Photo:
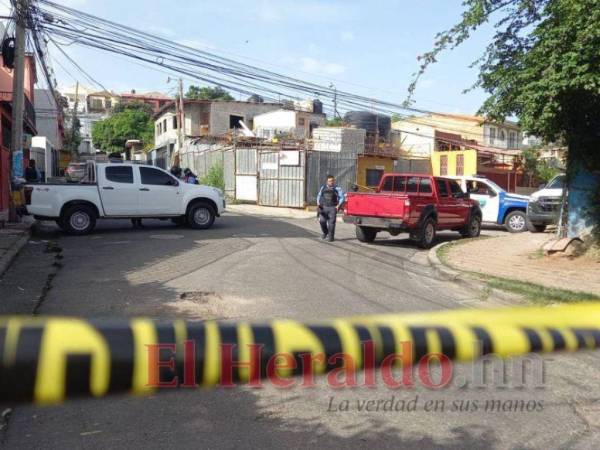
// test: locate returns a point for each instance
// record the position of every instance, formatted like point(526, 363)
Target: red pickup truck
point(414, 203)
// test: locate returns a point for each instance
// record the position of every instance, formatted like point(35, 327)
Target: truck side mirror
point(354, 188)
point(542, 186)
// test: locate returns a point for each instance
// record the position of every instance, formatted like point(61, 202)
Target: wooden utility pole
point(18, 94)
point(181, 114)
point(74, 153)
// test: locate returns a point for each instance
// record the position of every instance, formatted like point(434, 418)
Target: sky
point(359, 47)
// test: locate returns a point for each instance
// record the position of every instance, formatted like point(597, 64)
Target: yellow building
point(455, 162)
point(369, 170)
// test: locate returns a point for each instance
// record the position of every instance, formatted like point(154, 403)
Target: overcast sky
point(359, 47)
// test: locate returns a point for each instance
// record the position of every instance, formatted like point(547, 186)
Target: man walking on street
point(329, 200)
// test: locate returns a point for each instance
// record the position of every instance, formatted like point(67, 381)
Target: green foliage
point(133, 106)
point(396, 117)
point(132, 122)
point(215, 177)
point(207, 93)
point(335, 122)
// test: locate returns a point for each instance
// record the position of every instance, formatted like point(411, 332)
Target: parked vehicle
point(544, 205)
point(75, 172)
point(120, 190)
point(414, 203)
point(497, 206)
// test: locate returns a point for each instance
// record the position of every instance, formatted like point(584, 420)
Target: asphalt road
point(256, 268)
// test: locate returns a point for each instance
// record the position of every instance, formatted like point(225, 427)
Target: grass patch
point(536, 293)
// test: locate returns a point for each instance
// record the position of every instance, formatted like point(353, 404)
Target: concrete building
point(92, 106)
point(202, 118)
point(295, 124)
point(49, 118)
point(29, 126)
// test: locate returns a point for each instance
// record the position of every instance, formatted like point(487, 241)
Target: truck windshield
point(557, 183)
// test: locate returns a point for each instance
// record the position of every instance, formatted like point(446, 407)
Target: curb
point(462, 278)
point(12, 252)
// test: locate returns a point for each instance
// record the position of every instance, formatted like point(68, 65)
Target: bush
point(215, 177)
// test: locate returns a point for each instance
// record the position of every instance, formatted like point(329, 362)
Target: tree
point(131, 122)
point(542, 66)
point(135, 106)
point(208, 93)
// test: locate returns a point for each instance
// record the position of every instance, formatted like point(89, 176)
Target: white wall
point(416, 139)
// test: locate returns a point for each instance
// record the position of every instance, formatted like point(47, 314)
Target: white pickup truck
point(122, 190)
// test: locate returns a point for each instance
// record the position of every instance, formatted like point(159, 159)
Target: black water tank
point(369, 121)
point(317, 106)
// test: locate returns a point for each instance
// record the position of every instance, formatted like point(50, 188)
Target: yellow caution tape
point(47, 360)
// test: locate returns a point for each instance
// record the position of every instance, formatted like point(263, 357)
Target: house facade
point(295, 124)
point(464, 145)
point(29, 126)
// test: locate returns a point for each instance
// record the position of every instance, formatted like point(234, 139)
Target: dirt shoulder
point(518, 257)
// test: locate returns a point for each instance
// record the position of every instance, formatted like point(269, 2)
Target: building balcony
point(28, 111)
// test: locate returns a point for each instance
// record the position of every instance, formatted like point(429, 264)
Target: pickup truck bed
point(414, 203)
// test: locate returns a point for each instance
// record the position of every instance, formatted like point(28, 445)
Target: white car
point(497, 206)
point(122, 190)
point(544, 205)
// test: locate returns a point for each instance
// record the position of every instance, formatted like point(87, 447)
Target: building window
point(492, 135)
point(108, 103)
point(512, 139)
point(301, 122)
point(501, 135)
point(164, 125)
point(374, 177)
point(443, 165)
point(97, 103)
point(174, 122)
point(460, 164)
point(234, 121)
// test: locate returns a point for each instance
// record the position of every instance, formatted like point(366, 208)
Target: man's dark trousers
point(327, 220)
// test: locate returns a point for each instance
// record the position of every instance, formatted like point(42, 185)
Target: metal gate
point(245, 174)
point(281, 178)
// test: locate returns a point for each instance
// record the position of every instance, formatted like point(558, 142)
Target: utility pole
point(335, 111)
point(74, 154)
point(18, 94)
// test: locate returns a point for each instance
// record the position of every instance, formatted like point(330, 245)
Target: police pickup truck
point(497, 206)
point(123, 190)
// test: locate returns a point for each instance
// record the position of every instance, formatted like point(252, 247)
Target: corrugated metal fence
point(320, 164)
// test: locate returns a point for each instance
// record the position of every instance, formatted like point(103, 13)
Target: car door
point(445, 204)
point(460, 204)
point(160, 193)
point(487, 197)
point(118, 192)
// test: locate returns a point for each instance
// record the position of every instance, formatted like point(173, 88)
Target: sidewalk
point(518, 257)
point(12, 238)
point(270, 211)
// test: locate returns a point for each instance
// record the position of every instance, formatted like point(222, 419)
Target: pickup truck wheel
point(201, 216)
point(472, 228)
point(516, 222)
point(79, 220)
point(365, 234)
point(427, 234)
